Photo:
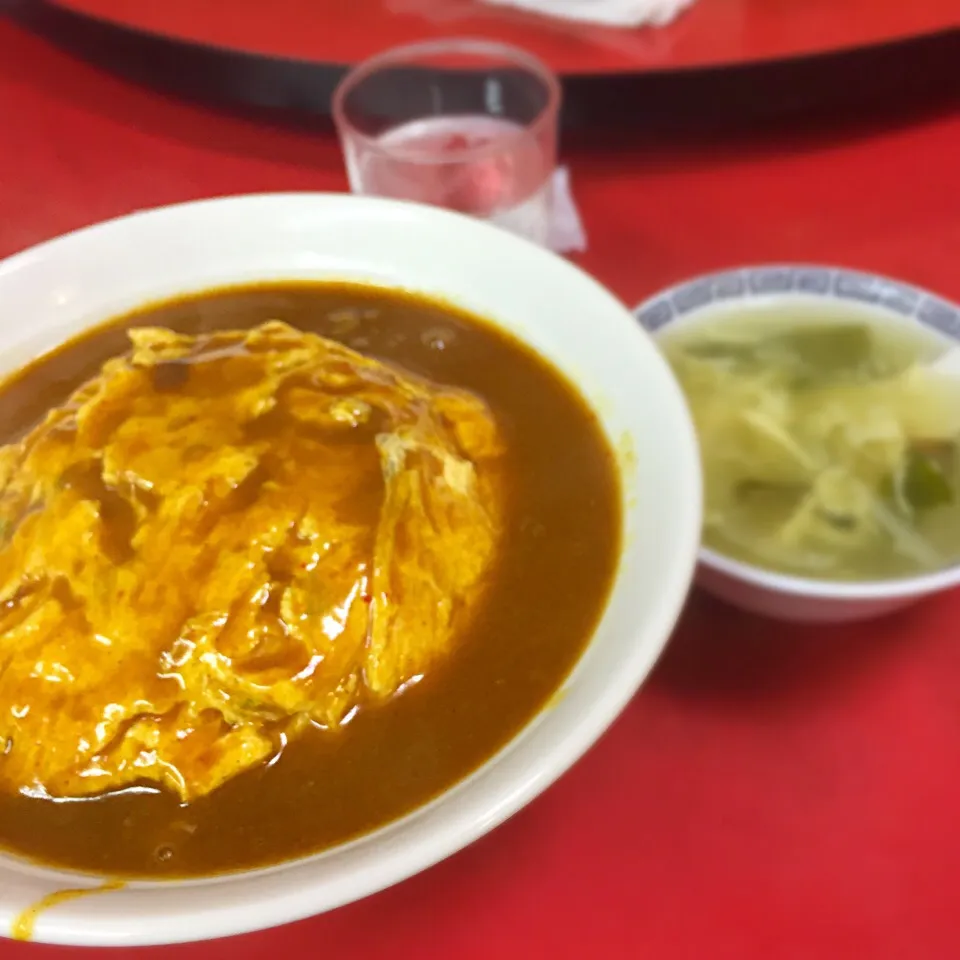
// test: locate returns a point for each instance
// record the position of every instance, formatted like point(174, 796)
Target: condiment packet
point(609, 13)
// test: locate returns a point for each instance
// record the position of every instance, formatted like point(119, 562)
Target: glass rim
point(408, 52)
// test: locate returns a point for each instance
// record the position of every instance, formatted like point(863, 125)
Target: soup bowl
point(820, 293)
point(56, 290)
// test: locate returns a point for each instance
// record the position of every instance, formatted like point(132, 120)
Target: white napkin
point(609, 13)
point(566, 234)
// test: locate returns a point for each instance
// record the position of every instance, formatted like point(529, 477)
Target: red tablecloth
point(712, 32)
point(773, 792)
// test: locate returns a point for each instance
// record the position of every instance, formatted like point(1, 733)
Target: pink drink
point(470, 125)
point(479, 165)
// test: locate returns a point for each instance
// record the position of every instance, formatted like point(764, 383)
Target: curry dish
point(278, 564)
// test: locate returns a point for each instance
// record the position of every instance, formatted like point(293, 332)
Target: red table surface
point(713, 32)
point(774, 792)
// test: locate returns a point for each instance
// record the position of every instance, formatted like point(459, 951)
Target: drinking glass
point(470, 125)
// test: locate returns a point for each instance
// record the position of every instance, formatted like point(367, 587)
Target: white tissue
point(610, 13)
point(566, 234)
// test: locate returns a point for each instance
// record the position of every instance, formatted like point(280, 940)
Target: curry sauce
point(463, 485)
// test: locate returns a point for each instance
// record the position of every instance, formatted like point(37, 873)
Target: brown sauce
point(547, 590)
point(23, 925)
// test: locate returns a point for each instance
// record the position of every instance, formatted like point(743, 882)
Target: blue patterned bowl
point(865, 295)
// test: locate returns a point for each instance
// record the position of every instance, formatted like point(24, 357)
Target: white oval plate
point(59, 288)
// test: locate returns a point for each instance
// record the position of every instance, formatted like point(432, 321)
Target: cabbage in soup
point(830, 450)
